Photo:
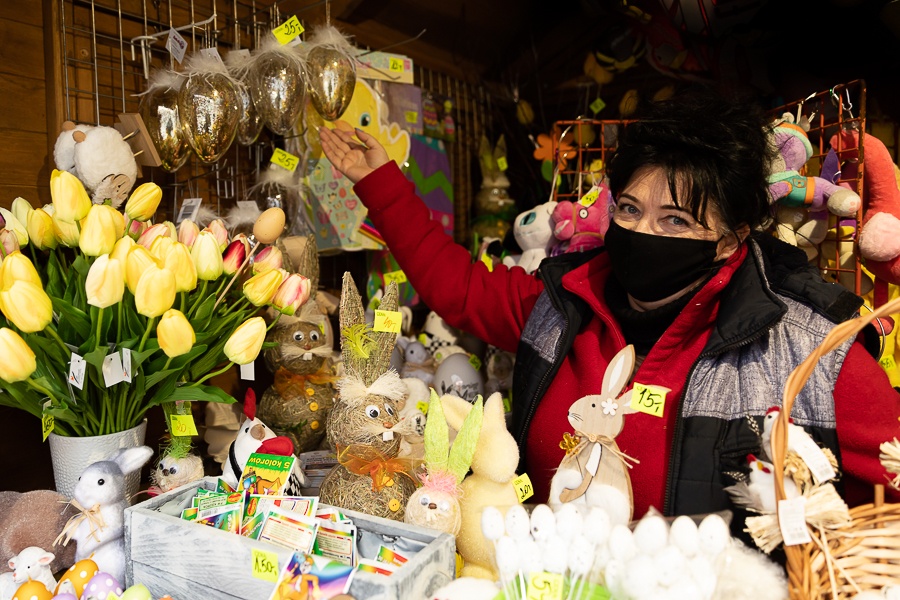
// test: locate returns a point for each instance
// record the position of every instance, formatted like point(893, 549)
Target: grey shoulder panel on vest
point(544, 327)
point(749, 379)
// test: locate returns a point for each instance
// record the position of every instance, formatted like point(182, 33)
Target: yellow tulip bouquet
point(112, 315)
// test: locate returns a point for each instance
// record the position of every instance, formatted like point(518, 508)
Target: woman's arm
point(866, 409)
point(491, 305)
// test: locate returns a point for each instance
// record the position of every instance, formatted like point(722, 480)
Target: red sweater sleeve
point(491, 305)
point(866, 410)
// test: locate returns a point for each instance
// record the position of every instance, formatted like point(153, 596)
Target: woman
point(717, 314)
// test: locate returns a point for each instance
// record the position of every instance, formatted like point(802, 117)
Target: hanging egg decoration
point(159, 110)
point(209, 107)
point(277, 85)
point(331, 64)
point(250, 124)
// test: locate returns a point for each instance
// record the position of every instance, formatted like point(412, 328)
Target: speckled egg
point(100, 587)
point(79, 574)
point(32, 590)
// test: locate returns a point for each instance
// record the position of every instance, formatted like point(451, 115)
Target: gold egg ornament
point(209, 107)
point(250, 124)
point(331, 67)
point(159, 110)
point(277, 81)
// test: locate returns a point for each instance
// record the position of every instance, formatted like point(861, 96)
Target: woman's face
point(646, 206)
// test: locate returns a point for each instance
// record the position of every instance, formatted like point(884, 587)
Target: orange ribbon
point(366, 460)
point(289, 384)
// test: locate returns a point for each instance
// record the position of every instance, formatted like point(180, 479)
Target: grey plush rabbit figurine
point(99, 529)
point(595, 472)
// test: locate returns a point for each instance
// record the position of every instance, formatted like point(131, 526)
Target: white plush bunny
point(31, 563)
point(100, 491)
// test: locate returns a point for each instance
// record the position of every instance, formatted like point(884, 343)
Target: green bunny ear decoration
point(437, 436)
point(463, 449)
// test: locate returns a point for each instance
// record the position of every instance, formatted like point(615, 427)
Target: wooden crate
point(189, 561)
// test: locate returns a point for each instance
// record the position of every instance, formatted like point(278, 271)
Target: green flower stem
point(221, 285)
point(183, 296)
point(41, 389)
point(168, 362)
point(275, 320)
point(119, 324)
point(239, 305)
point(55, 335)
point(99, 326)
point(150, 324)
point(200, 298)
point(213, 374)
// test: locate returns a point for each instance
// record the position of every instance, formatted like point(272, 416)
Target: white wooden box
point(189, 561)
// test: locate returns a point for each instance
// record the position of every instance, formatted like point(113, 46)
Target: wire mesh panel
point(577, 146)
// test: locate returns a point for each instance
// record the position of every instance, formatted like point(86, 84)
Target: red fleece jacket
point(495, 306)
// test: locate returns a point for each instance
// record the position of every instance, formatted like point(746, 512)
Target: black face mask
point(653, 267)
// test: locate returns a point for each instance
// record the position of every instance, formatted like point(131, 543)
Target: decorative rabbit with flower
point(594, 470)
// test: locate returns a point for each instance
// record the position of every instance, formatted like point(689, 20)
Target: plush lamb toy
point(789, 188)
point(417, 361)
point(879, 240)
point(533, 231)
point(580, 226)
point(104, 163)
point(31, 563)
point(64, 150)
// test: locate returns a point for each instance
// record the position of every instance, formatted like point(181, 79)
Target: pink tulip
point(136, 228)
point(217, 228)
point(292, 294)
point(188, 232)
point(151, 233)
point(8, 241)
point(268, 258)
point(234, 256)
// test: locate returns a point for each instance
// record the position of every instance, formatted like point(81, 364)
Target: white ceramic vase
point(72, 455)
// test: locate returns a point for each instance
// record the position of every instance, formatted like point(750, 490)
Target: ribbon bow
point(92, 515)
point(291, 384)
point(365, 460)
point(608, 443)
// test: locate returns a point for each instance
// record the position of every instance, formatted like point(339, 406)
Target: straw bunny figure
point(361, 427)
point(595, 471)
point(490, 484)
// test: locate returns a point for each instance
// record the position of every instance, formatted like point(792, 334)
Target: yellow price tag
point(388, 321)
point(888, 363)
point(502, 164)
point(285, 160)
point(487, 262)
point(412, 116)
point(545, 586)
point(288, 30)
point(265, 565)
point(182, 425)
point(395, 65)
point(524, 489)
point(422, 406)
point(475, 362)
point(47, 425)
point(597, 105)
point(650, 399)
point(590, 198)
point(397, 277)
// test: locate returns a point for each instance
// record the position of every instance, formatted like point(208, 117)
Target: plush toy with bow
point(580, 226)
point(789, 188)
point(436, 503)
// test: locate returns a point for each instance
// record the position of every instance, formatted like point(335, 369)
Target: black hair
point(716, 151)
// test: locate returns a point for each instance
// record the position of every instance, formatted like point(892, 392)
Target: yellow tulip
point(14, 225)
point(40, 230)
point(260, 289)
point(160, 246)
point(27, 306)
point(188, 232)
point(268, 258)
point(175, 334)
point(101, 229)
point(121, 249)
point(21, 208)
point(178, 260)
point(138, 261)
point(67, 233)
point(105, 282)
point(217, 228)
point(69, 197)
point(143, 202)
point(155, 292)
point(207, 257)
point(18, 267)
point(18, 359)
point(245, 343)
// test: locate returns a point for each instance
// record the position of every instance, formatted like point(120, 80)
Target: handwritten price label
point(597, 105)
point(523, 487)
point(182, 425)
point(388, 321)
point(502, 164)
point(288, 30)
point(888, 363)
point(285, 160)
point(265, 565)
point(396, 65)
point(412, 116)
point(397, 277)
point(649, 399)
point(545, 586)
point(47, 425)
point(590, 198)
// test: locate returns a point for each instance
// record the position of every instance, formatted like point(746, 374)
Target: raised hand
point(348, 156)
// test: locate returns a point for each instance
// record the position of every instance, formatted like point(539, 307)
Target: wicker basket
point(862, 555)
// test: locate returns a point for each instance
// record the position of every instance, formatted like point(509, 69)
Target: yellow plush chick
point(368, 112)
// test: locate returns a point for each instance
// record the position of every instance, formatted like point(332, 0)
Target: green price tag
point(288, 30)
point(502, 164)
point(523, 487)
point(396, 65)
point(182, 425)
point(388, 321)
point(397, 277)
point(265, 565)
point(412, 116)
point(475, 362)
point(47, 425)
point(597, 105)
point(285, 160)
point(650, 399)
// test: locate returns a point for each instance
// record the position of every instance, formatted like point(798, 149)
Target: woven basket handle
point(799, 376)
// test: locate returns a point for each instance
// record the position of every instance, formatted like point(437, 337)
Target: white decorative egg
point(651, 534)
point(684, 536)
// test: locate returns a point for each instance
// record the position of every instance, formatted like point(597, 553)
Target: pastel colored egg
point(32, 590)
point(100, 587)
point(78, 575)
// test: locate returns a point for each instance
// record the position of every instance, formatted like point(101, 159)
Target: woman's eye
point(627, 209)
point(678, 221)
